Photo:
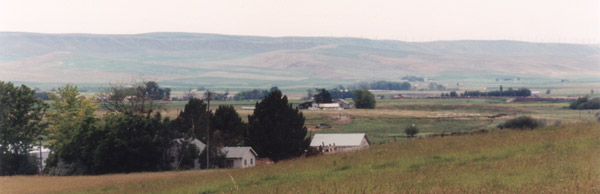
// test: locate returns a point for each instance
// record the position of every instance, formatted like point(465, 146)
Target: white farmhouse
point(339, 142)
point(240, 157)
point(236, 157)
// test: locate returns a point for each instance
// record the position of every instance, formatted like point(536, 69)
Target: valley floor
point(557, 159)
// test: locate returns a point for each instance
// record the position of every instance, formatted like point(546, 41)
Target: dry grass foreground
point(562, 159)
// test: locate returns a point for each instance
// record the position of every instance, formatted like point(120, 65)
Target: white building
point(240, 157)
point(35, 151)
point(178, 142)
point(339, 142)
point(236, 157)
point(326, 106)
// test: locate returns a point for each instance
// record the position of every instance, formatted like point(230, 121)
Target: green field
point(557, 159)
point(432, 116)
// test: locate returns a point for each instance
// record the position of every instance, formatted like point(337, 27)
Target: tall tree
point(139, 98)
point(21, 123)
point(133, 143)
point(192, 120)
point(72, 130)
point(227, 126)
point(276, 130)
point(364, 99)
point(323, 96)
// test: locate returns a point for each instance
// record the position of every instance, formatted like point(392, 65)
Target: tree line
point(132, 136)
point(381, 85)
point(521, 92)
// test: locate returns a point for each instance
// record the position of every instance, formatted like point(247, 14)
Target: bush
point(364, 99)
point(522, 122)
point(585, 103)
point(411, 131)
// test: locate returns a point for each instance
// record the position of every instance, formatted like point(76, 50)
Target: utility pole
point(40, 138)
point(207, 128)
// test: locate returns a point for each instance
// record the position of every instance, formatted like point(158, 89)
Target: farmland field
point(432, 116)
point(554, 159)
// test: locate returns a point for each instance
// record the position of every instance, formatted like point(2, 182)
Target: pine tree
point(276, 130)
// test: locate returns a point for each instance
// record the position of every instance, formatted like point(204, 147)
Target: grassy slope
point(554, 159)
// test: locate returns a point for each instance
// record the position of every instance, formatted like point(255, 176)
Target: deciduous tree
point(364, 99)
point(21, 123)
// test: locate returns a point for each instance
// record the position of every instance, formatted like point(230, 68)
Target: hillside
point(193, 59)
point(549, 160)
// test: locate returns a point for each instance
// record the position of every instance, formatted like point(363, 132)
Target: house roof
point(343, 101)
point(338, 139)
point(194, 141)
point(238, 152)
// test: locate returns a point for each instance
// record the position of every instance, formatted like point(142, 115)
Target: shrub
point(411, 131)
point(364, 99)
point(585, 103)
point(522, 122)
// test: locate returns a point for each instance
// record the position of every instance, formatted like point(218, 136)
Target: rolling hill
point(211, 59)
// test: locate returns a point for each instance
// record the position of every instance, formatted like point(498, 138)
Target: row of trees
point(521, 92)
point(132, 136)
point(381, 85)
point(362, 98)
point(253, 94)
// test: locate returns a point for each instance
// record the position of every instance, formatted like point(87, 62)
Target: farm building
point(248, 107)
point(305, 105)
point(236, 157)
point(178, 142)
point(338, 105)
point(343, 103)
point(339, 142)
point(240, 157)
point(327, 106)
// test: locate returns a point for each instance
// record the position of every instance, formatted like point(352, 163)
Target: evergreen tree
point(133, 143)
point(192, 120)
point(227, 126)
point(276, 130)
point(323, 96)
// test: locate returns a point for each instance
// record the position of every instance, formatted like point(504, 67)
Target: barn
point(339, 142)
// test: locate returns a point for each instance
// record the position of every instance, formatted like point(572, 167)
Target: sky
point(567, 21)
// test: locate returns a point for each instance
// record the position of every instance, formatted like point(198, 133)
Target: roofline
point(251, 149)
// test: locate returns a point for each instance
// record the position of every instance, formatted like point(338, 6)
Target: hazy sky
point(576, 21)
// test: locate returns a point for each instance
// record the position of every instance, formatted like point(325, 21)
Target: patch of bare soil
point(342, 119)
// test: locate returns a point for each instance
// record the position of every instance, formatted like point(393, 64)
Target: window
point(245, 163)
point(251, 161)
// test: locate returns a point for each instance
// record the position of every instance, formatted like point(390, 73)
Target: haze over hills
point(193, 59)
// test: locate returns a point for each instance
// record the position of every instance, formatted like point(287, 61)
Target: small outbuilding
point(180, 141)
point(305, 105)
point(343, 103)
point(339, 142)
point(240, 157)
